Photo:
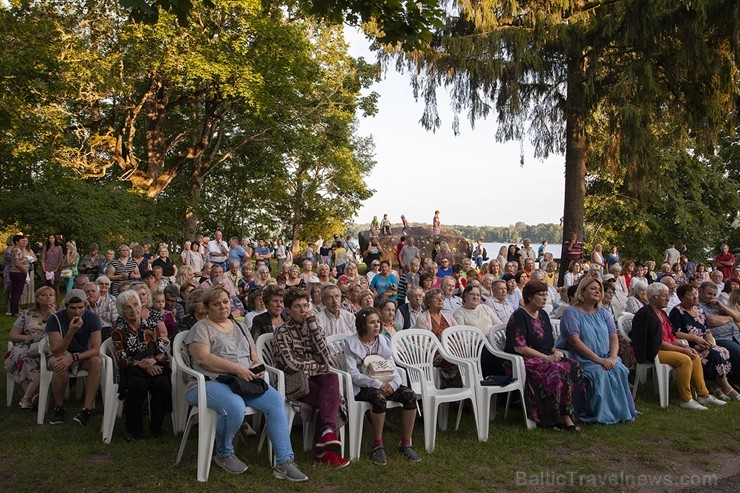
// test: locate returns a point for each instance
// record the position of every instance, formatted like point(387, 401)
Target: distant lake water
point(493, 248)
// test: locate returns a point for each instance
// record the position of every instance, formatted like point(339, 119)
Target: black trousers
point(138, 386)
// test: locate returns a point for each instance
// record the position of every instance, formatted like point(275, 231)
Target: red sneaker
point(331, 459)
point(329, 441)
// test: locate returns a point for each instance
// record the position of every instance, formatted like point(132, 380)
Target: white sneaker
point(710, 399)
point(692, 405)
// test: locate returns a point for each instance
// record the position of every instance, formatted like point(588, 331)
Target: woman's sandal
point(733, 395)
point(573, 428)
point(26, 403)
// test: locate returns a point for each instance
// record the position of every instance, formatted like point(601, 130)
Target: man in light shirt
point(408, 253)
point(104, 307)
point(671, 255)
point(498, 302)
point(451, 302)
point(218, 250)
point(333, 318)
point(717, 278)
point(527, 252)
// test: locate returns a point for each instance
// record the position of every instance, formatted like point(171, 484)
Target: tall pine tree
point(552, 72)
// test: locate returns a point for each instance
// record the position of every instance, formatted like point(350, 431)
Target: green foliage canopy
point(652, 76)
point(208, 118)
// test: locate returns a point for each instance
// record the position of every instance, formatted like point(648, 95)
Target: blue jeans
point(734, 350)
point(230, 409)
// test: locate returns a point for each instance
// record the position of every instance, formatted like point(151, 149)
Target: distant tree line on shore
point(513, 233)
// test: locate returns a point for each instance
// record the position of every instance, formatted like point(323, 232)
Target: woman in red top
point(652, 324)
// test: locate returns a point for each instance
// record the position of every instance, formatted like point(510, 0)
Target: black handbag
point(244, 388)
point(497, 380)
point(240, 386)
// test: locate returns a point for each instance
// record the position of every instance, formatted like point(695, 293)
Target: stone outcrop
point(460, 246)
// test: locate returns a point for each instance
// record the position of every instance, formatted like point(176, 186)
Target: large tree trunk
point(191, 216)
point(297, 225)
point(575, 154)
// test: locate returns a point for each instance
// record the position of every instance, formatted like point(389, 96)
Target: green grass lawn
point(662, 441)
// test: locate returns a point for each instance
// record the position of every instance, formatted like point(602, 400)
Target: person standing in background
point(218, 250)
point(51, 263)
point(671, 255)
point(541, 251)
point(405, 223)
point(612, 257)
point(573, 248)
point(385, 225)
point(724, 261)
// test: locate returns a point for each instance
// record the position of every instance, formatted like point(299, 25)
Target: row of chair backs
point(466, 343)
point(415, 349)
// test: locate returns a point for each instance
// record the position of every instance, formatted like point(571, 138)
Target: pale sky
point(471, 179)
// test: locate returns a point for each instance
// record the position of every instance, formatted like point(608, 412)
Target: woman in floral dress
point(555, 389)
point(22, 362)
point(689, 322)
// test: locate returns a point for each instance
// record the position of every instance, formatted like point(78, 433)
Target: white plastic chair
point(180, 406)
point(45, 382)
point(467, 343)
point(662, 372)
point(355, 409)
point(9, 382)
point(555, 323)
point(277, 379)
point(109, 386)
point(109, 389)
point(201, 414)
point(497, 338)
point(414, 350)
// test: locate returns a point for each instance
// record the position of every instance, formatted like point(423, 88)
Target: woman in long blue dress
point(554, 387)
point(588, 331)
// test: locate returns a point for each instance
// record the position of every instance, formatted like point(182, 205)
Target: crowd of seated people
point(225, 296)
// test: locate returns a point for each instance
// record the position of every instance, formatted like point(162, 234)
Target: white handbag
point(379, 368)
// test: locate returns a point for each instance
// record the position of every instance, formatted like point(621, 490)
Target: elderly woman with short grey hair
point(652, 334)
point(436, 321)
point(620, 285)
point(140, 354)
point(637, 297)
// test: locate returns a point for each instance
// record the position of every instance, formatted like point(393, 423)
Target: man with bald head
point(670, 283)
